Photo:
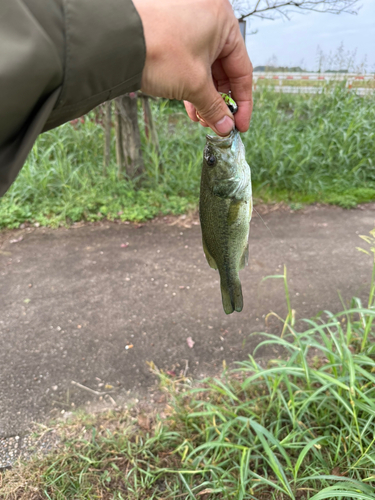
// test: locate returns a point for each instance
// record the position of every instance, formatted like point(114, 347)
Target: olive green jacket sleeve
point(58, 60)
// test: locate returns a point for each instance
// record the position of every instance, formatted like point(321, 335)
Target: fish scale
point(225, 209)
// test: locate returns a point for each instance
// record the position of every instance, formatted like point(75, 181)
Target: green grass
point(316, 145)
point(301, 149)
point(63, 180)
point(302, 427)
point(367, 84)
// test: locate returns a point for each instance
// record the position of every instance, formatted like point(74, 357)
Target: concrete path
point(92, 304)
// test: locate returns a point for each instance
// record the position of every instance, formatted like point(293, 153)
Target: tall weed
point(312, 143)
point(301, 148)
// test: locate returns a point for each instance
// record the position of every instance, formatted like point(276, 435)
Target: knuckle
point(212, 110)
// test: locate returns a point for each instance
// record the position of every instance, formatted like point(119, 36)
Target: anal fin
point(211, 261)
point(245, 257)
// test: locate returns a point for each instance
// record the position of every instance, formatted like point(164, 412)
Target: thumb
point(212, 109)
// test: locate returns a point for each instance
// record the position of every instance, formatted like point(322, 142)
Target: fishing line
point(261, 218)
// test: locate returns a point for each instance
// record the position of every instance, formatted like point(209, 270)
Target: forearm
point(58, 60)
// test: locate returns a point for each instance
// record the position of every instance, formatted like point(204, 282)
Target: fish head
point(225, 164)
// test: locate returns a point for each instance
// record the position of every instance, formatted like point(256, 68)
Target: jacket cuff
point(104, 56)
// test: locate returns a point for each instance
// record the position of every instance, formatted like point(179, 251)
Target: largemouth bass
point(225, 209)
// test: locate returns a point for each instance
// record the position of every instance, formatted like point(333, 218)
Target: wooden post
point(107, 134)
point(242, 24)
point(128, 139)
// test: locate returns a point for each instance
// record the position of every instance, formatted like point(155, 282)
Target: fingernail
point(225, 125)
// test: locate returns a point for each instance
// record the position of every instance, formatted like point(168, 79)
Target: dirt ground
point(92, 304)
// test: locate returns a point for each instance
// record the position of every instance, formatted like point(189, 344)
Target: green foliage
point(63, 181)
point(301, 149)
point(313, 144)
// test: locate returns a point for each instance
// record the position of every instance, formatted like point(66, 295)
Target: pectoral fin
point(210, 259)
point(234, 208)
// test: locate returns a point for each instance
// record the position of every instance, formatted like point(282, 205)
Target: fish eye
point(211, 160)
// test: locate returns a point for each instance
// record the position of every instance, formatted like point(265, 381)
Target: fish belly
point(225, 232)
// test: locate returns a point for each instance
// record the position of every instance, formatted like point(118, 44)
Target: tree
point(128, 140)
point(129, 157)
point(272, 9)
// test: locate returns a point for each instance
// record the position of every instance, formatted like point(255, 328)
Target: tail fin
point(231, 295)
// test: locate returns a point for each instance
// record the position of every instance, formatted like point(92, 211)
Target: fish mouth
point(225, 142)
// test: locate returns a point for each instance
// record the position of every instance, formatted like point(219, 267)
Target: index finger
point(239, 71)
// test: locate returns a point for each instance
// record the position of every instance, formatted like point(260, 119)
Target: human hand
point(194, 50)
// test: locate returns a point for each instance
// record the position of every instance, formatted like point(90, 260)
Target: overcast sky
point(295, 42)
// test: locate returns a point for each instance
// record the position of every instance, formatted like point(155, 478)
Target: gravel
point(24, 447)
